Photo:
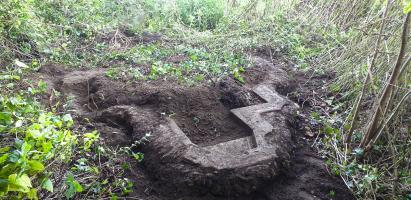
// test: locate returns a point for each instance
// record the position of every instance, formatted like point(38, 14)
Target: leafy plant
point(89, 139)
point(38, 137)
point(73, 187)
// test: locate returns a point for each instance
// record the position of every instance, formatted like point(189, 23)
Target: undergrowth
point(42, 152)
point(382, 171)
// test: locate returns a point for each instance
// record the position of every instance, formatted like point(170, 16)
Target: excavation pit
point(225, 140)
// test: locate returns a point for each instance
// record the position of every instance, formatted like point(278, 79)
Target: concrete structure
point(239, 165)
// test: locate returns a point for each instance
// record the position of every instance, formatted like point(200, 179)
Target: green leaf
point(4, 185)
point(19, 183)
point(32, 194)
point(68, 119)
point(25, 148)
point(42, 85)
point(78, 187)
point(358, 152)
point(5, 118)
point(70, 192)
point(3, 158)
point(113, 197)
point(36, 166)
point(138, 156)
point(9, 77)
point(7, 170)
point(89, 139)
point(47, 146)
point(329, 130)
point(73, 187)
point(47, 185)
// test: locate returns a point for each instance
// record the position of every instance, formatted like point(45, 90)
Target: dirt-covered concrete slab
point(208, 142)
point(175, 155)
point(225, 141)
point(237, 166)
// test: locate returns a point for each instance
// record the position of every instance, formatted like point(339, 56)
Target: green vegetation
point(43, 150)
point(186, 64)
point(371, 159)
point(31, 138)
point(38, 143)
point(202, 15)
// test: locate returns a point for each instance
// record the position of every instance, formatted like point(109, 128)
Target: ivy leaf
point(36, 166)
point(73, 187)
point(47, 185)
point(5, 118)
point(19, 184)
point(25, 148)
point(32, 194)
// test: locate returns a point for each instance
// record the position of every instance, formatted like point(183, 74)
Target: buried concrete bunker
point(231, 167)
point(237, 166)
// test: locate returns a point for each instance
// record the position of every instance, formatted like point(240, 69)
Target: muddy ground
point(203, 113)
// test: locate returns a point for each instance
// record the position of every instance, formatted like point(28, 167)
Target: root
point(119, 41)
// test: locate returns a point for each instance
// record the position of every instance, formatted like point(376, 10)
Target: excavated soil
point(203, 114)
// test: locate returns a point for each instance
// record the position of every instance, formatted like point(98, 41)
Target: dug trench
point(221, 141)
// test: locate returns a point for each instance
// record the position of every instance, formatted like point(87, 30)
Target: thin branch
point(386, 95)
point(368, 77)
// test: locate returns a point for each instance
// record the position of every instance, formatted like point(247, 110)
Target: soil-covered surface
point(203, 114)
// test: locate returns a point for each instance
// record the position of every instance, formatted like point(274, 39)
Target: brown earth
point(202, 112)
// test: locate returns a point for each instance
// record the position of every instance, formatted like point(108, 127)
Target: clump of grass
point(201, 14)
